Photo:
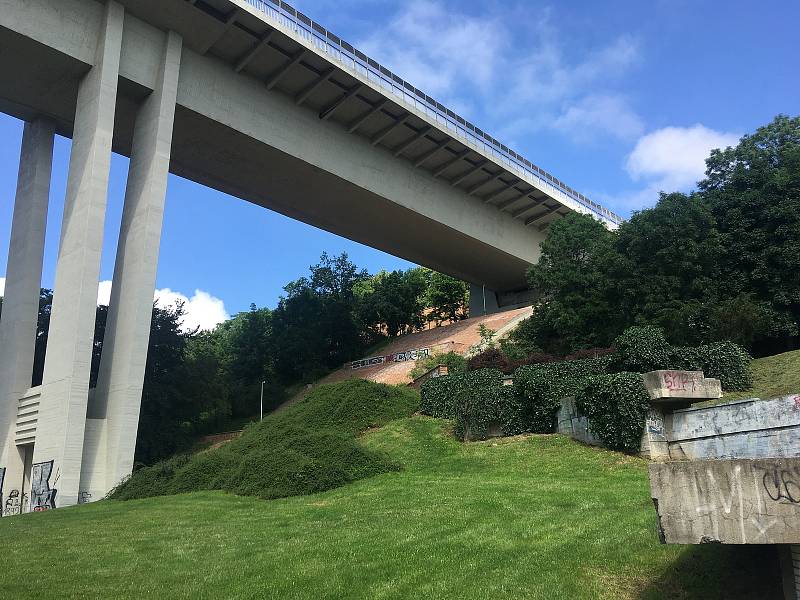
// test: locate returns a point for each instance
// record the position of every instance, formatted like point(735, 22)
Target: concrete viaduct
point(249, 97)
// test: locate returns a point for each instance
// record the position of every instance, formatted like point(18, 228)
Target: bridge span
point(254, 99)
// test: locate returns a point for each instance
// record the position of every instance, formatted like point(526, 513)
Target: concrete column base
point(790, 570)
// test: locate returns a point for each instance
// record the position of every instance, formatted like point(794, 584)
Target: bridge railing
point(343, 53)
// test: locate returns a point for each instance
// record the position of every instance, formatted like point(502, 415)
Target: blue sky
point(619, 99)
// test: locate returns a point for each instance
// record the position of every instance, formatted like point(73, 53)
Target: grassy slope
point(309, 447)
point(536, 517)
point(773, 376)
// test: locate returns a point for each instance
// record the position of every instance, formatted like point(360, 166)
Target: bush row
point(477, 400)
point(643, 349)
point(608, 387)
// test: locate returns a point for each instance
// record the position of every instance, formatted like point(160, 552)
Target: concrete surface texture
point(745, 501)
point(747, 429)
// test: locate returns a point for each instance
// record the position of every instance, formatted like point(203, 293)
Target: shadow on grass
point(717, 571)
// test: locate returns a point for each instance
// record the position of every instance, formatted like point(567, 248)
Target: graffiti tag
point(13, 504)
point(796, 402)
point(781, 486)
point(679, 381)
point(43, 497)
point(84, 497)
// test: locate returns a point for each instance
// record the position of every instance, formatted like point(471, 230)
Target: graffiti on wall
point(2, 478)
point(43, 497)
point(13, 505)
point(396, 357)
point(84, 497)
point(682, 381)
point(783, 485)
point(368, 362)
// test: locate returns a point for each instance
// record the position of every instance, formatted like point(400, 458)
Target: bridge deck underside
point(36, 79)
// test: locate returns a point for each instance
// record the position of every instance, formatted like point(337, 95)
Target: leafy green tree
point(446, 298)
point(572, 278)
point(753, 191)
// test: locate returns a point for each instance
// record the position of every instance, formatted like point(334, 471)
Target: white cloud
point(201, 310)
point(671, 159)
point(2, 285)
point(507, 61)
point(600, 114)
point(675, 156)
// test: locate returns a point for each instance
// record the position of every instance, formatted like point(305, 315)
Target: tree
point(446, 298)
point(572, 276)
point(753, 191)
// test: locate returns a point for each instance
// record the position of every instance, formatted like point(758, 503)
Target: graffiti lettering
point(781, 486)
point(397, 357)
point(84, 497)
point(679, 381)
point(411, 355)
point(796, 402)
point(655, 423)
point(43, 497)
point(368, 362)
point(13, 505)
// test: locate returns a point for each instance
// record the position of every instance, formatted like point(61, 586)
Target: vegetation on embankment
point(524, 517)
point(309, 447)
point(773, 376)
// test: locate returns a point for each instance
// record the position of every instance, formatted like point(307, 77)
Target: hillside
point(773, 376)
point(527, 517)
point(309, 447)
point(458, 337)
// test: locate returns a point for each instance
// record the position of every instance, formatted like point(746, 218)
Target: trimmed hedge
point(726, 361)
point(643, 349)
point(616, 405)
point(540, 389)
point(439, 395)
point(480, 409)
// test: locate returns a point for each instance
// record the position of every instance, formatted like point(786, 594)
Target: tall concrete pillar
point(21, 301)
point(482, 301)
point(62, 417)
point(122, 367)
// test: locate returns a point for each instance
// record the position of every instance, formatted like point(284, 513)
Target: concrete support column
point(482, 301)
point(62, 417)
point(21, 301)
point(122, 367)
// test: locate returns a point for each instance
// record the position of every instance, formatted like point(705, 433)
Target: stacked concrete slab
point(727, 473)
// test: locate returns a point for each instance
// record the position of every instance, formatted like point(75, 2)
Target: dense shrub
point(641, 349)
point(590, 353)
point(726, 361)
point(616, 405)
point(439, 395)
point(489, 359)
point(540, 388)
point(307, 448)
point(454, 362)
point(479, 409)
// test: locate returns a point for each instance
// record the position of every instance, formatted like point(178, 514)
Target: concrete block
point(670, 387)
point(750, 501)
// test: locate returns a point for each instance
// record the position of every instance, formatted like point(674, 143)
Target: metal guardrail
point(402, 91)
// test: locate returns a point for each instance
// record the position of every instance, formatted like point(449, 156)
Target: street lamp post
point(262, 400)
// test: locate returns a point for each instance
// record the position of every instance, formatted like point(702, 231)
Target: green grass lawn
point(528, 517)
point(773, 376)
